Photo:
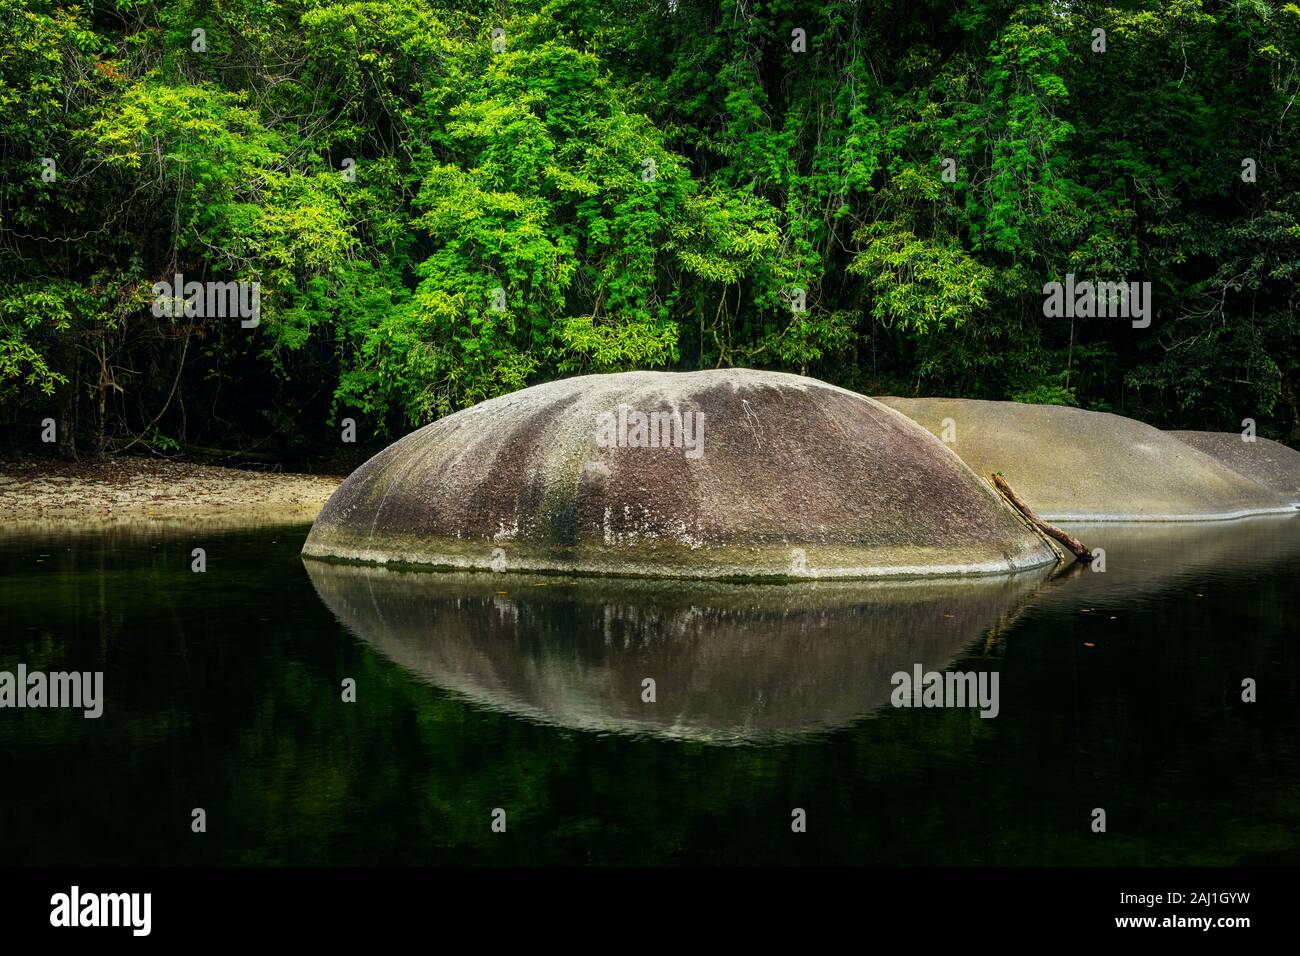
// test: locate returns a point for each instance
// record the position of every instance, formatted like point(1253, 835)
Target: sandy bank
point(36, 492)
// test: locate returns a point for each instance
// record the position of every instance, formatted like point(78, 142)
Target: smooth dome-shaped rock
point(1270, 463)
point(1069, 464)
point(719, 474)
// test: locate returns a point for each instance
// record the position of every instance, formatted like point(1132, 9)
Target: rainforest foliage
point(445, 200)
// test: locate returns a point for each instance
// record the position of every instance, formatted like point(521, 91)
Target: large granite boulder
point(1270, 463)
point(720, 474)
point(1069, 464)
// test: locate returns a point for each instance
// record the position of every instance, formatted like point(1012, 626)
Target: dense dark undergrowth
point(444, 200)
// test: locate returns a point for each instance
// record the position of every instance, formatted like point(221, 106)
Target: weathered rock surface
point(1270, 463)
point(1069, 464)
point(789, 478)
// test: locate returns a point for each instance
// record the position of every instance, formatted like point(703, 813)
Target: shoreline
point(39, 492)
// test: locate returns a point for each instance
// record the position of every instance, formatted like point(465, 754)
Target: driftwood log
point(1077, 547)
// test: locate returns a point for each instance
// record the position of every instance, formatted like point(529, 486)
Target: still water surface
point(1119, 690)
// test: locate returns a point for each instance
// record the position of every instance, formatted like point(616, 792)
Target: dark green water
point(1119, 690)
